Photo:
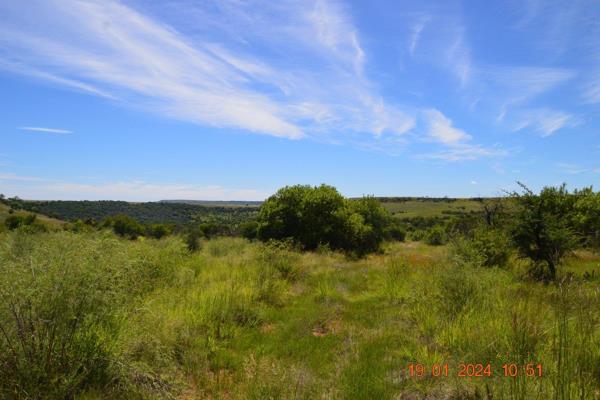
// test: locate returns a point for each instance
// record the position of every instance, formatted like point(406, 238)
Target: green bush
point(396, 233)
point(55, 318)
point(125, 226)
point(488, 247)
point(157, 231)
point(28, 223)
point(192, 240)
point(249, 229)
point(314, 216)
point(436, 236)
point(543, 230)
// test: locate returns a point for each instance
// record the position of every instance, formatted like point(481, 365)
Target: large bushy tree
point(313, 216)
point(543, 228)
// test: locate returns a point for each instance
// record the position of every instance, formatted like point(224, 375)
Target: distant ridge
point(220, 203)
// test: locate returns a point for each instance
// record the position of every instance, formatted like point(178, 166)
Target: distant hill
point(216, 203)
point(150, 212)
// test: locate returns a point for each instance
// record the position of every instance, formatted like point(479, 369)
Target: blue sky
point(232, 99)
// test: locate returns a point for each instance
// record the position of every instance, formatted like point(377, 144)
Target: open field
point(411, 208)
point(243, 320)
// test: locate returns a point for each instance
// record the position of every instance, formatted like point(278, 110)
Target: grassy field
point(242, 320)
point(430, 208)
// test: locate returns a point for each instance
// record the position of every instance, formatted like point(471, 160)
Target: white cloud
point(516, 85)
point(309, 79)
point(29, 187)
point(574, 169)
point(45, 130)
point(591, 93)
point(442, 130)
point(416, 33)
point(545, 121)
point(465, 152)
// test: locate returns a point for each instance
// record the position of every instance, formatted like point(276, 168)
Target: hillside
point(50, 222)
point(150, 212)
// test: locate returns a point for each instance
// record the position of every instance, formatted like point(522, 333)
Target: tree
point(124, 225)
point(586, 216)
point(157, 231)
point(314, 216)
point(542, 230)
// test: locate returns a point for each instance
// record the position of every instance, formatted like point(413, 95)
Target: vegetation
point(314, 216)
point(124, 310)
point(144, 213)
point(112, 318)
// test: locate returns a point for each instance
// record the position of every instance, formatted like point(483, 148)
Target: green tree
point(542, 230)
point(126, 226)
point(315, 216)
point(586, 216)
point(157, 231)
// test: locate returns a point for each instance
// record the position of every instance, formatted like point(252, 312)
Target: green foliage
point(26, 223)
point(249, 229)
point(158, 231)
point(126, 226)
point(313, 216)
point(586, 216)
point(436, 236)
point(145, 213)
point(396, 232)
point(485, 247)
point(192, 240)
point(543, 230)
point(239, 319)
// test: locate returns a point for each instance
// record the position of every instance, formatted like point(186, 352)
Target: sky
point(143, 100)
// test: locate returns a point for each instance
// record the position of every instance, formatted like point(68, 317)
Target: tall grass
point(95, 317)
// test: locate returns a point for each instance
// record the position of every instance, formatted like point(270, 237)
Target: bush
point(157, 231)
point(396, 233)
point(314, 216)
point(543, 229)
point(487, 247)
point(27, 223)
point(249, 229)
point(436, 236)
point(126, 226)
point(192, 240)
point(54, 319)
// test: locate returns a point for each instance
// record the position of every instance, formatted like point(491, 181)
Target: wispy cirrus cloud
point(466, 152)
point(110, 49)
point(574, 169)
point(544, 121)
point(45, 130)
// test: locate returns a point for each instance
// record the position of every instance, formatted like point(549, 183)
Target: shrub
point(157, 231)
point(54, 318)
point(192, 240)
point(249, 229)
point(488, 247)
point(126, 226)
point(436, 236)
point(313, 216)
point(27, 223)
point(397, 233)
point(542, 231)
